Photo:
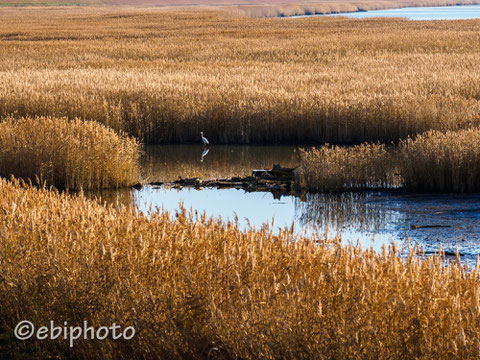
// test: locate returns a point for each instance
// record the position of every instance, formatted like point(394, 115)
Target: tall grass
point(336, 168)
point(164, 76)
point(433, 161)
point(67, 154)
point(194, 287)
point(445, 162)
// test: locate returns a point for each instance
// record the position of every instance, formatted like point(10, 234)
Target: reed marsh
point(337, 168)
point(195, 286)
point(164, 75)
point(75, 84)
point(433, 161)
point(442, 162)
point(67, 154)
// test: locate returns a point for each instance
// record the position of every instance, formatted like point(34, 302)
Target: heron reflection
point(204, 153)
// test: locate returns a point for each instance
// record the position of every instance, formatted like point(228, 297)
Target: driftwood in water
point(278, 179)
point(414, 227)
point(277, 172)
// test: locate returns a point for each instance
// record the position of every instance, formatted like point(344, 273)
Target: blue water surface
point(417, 13)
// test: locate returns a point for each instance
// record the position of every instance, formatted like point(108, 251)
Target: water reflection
point(417, 13)
point(115, 198)
point(372, 218)
point(204, 153)
point(347, 210)
point(168, 162)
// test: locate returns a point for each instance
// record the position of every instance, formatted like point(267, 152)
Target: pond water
point(418, 13)
point(371, 218)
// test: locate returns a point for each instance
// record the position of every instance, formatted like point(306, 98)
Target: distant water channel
point(418, 13)
point(371, 218)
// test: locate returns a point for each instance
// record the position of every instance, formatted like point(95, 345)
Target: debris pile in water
point(278, 179)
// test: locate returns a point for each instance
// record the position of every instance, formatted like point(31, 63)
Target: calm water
point(419, 13)
point(168, 162)
point(372, 218)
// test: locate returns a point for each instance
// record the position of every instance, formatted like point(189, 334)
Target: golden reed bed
point(164, 75)
point(445, 162)
point(433, 161)
point(70, 155)
point(196, 288)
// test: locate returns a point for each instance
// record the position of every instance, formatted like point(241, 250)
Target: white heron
point(205, 141)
